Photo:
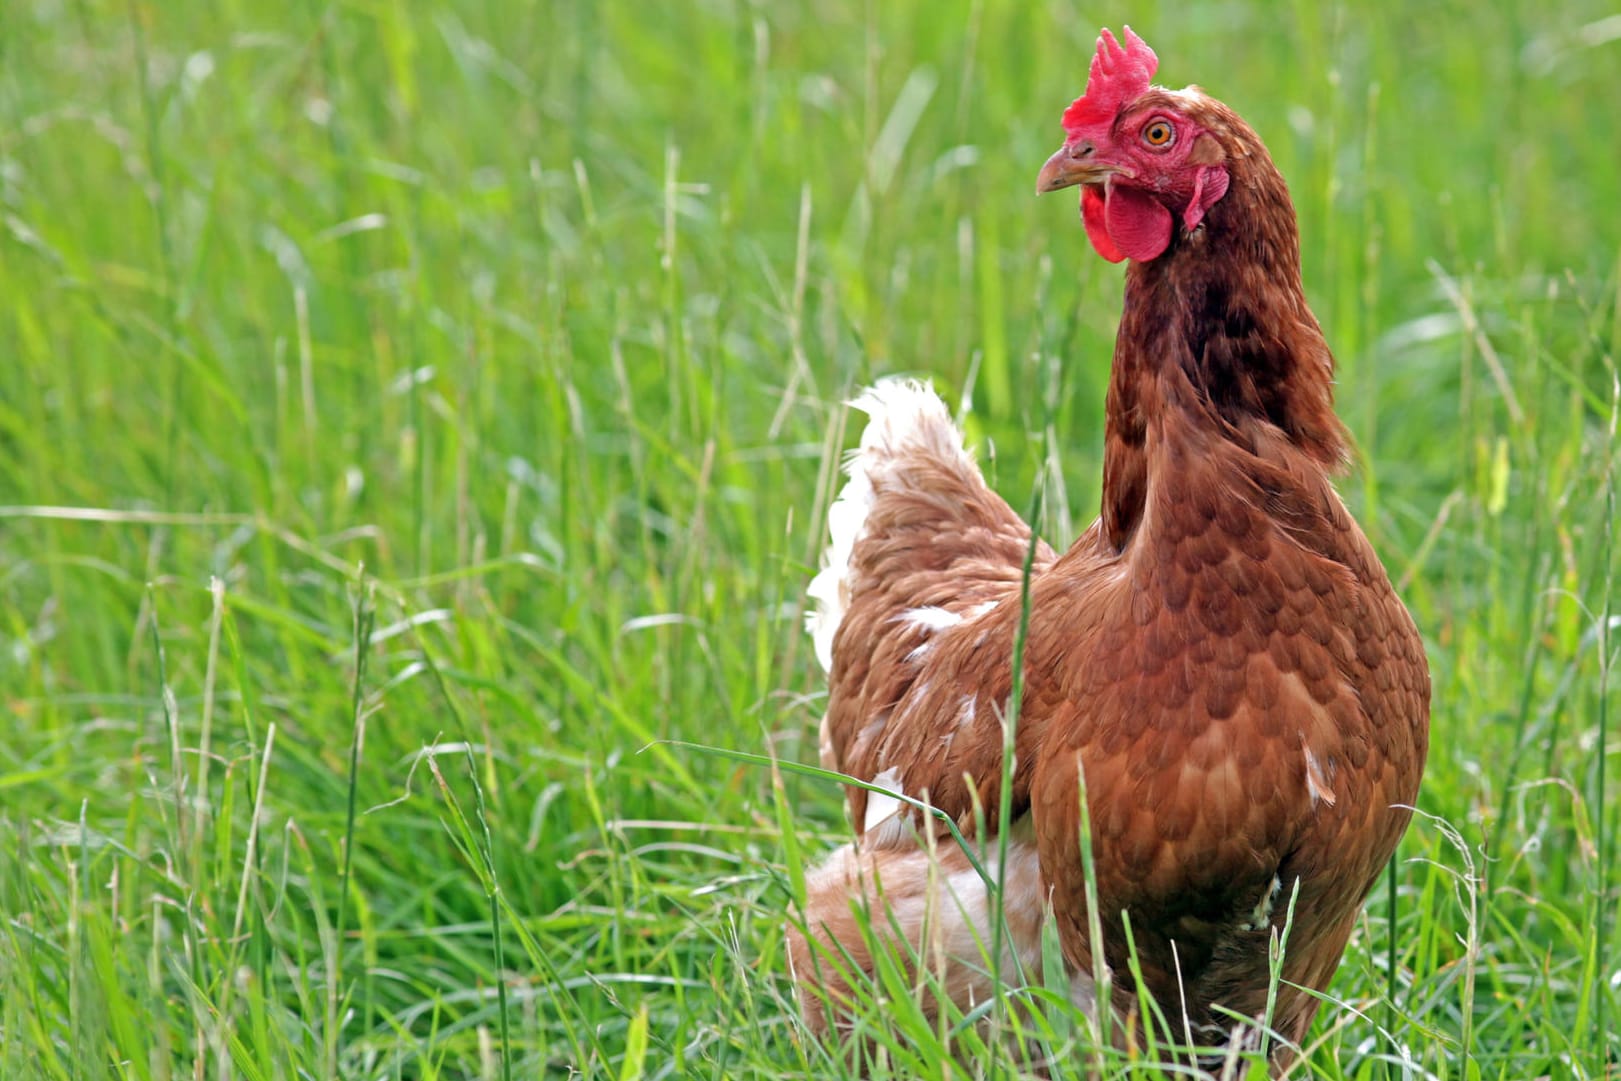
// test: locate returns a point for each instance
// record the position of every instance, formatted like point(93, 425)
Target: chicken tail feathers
point(909, 426)
point(922, 554)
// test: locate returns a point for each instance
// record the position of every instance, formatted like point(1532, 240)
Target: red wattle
point(1092, 213)
point(1137, 223)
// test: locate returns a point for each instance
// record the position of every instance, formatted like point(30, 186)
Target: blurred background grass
point(542, 315)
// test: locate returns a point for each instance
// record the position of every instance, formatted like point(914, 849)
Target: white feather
point(884, 811)
point(931, 618)
point(965, 718)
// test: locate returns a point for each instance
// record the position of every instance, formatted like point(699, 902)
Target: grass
point(415, 425)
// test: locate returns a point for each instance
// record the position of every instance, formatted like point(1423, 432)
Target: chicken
point(1220, 658)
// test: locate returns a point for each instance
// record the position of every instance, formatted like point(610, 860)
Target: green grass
point(412, 415)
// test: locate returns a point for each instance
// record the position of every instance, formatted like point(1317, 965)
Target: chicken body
point(1220, 662)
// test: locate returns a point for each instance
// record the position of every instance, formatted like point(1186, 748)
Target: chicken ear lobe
point(1138, 224)
point(1209, 185)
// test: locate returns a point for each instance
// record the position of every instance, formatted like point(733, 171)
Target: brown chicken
point(1220, 657)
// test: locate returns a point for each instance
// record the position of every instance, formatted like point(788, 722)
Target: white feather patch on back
point(965, 716)
point(907, 417)
point(930, 618)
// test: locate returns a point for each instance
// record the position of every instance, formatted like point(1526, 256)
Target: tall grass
point(416, 420)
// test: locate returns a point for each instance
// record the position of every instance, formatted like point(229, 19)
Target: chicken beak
point(1073, 164)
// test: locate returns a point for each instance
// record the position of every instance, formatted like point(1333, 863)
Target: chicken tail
point(917, 491)
point(909, 427)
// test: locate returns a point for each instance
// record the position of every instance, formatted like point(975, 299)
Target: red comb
point(1119, 73)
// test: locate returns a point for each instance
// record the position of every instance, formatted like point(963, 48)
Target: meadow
point(416, 428)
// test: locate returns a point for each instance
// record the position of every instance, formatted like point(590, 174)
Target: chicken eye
point(1159, 134)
